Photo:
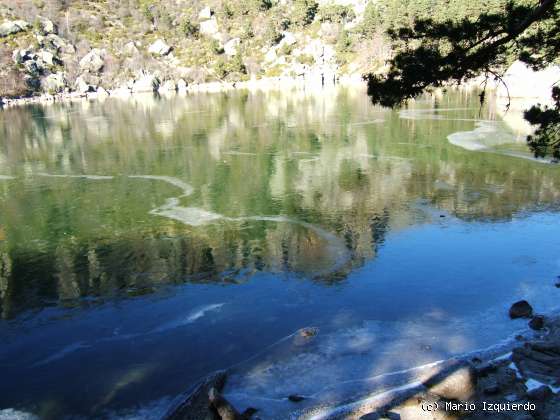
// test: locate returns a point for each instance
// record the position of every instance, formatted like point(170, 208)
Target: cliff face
point(54, 46)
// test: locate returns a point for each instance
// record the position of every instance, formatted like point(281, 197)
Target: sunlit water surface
point(145, 243)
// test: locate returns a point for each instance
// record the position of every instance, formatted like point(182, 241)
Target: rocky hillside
point(54, 46)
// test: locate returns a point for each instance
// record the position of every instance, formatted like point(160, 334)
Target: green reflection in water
point(303, 181)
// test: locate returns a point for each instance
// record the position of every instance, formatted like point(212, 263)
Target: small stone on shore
point(540, 394)
point(308, 332)
point(537, 323)
point(521, 309)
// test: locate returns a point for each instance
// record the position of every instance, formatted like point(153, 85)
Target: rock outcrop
point(93, 62)
point(54, 83)
point(159, 48)
point(13, 27)
point(146, 82)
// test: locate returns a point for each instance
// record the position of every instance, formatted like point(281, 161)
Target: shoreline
point(262, 84)
point(502, 379)
point(269, 83)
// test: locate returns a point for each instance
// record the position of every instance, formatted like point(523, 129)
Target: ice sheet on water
point(329, 368)
point(193, 216)
point(62, 353)
point(11, 414)
point(310, 160)
point(91, 177)
point(434, 114)
point(238, 153)
point(377, 400)
point(189, 319)
point(369, 122)
point(196, 216)
point(484, 136)
point(186, 188)
point(154, 410)
point(350, 364)
point(385, 157)
point(183, 321)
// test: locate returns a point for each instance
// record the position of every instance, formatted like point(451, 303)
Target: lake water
point(147, 242)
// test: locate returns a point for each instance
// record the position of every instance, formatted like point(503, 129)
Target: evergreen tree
point(432, 52)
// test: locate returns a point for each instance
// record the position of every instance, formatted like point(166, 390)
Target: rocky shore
point(183, 88)
point(521, 384)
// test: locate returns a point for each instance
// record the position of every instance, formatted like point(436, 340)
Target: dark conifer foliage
point(432, 53)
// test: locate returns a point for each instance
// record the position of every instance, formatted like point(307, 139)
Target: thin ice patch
point(193, 216)
point(369, 122)
point(91, 177)
point(72, 348)
point(238, 153)
point(11, 414)
point(433, 114)
point(189, 319)
point(186, 188)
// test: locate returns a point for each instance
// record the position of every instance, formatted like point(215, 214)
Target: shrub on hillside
point(190, 29)
point(306, 59)
point(336, 13)
point(304, 12)
point(230, 67)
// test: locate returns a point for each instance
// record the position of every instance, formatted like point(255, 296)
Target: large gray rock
point(209, 27)
point(159, 47)
point(271, 55)
point(46, 26)
point(146, 83)
point(13, 27)
point(46, 57)
point(54, 83)
point(19, 56)
point(56, 44)
point(205, 13)
point(93, 61)
point(82, 86)
point(231, 47)
point(182, 85)
point(288, 38)
point(130, 49)
point(167, 86)
point(102, 92)
point(34, 67)
point(539, 360)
